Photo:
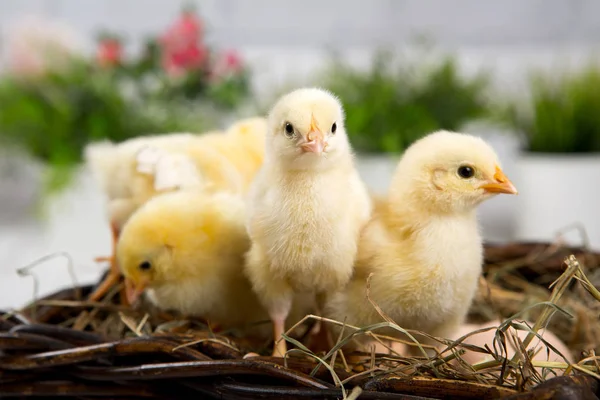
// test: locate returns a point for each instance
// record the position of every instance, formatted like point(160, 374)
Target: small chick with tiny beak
point(422, 245)
point(132, 172)
point(185, 249)
point(307, 206)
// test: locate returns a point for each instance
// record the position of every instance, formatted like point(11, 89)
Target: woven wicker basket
point(44, 353)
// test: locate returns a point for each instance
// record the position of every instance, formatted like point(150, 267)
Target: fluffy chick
point(247, 154)
point(306, 205)
point(222, 161)
point(134, 171)
point(186, 250)
point(422, 244)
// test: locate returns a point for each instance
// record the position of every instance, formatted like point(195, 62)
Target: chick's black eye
point(145, 266)
point(333, 127)
point(466, 172)
point(289, 129)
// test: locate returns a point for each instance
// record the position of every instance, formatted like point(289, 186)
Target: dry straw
point(82, 348)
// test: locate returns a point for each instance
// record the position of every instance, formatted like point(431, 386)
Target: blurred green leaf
point(561, 116)
point(55, 116)
point(392, 104)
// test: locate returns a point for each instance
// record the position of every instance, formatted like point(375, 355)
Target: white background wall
point(284, 40)
point(342, 23)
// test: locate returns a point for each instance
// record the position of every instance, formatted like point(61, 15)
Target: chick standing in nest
point(422, 244)
point(307, 205)
point(186, 250)
point(134, 171)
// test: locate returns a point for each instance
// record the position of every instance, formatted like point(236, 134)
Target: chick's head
point(179, 236)
point(450, 172)
point(306, 129)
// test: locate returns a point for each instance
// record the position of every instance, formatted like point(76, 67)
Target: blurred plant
point(562, 115)
point(228, 78)
point(186, 67)
point(394, 103)
point(182, 47)
point(35, 45)
point(178, 84)
point(110, 50)
point(55, 117)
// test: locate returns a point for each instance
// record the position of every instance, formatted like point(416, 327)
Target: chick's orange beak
point(500, 184)
point(133, 290)
point(315, 140)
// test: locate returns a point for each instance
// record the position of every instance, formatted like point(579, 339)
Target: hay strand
point(62, 345)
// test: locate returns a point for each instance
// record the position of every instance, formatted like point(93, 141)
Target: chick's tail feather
point(102, 160)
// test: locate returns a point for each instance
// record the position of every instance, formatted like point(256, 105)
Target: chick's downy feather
point(306, 205)
point(423, 245)
point(131, 172)
point(134, 171)
point(186, 250)
point(248, 149)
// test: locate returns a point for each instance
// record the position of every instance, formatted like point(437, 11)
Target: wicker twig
point(62, 346)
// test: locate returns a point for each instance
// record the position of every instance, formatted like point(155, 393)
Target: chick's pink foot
point(316, 328)
point(114, 274)
point(320, 302)
point(102, 259)
point(280, 347)
point(111, 279)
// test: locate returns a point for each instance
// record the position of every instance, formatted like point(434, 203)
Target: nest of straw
point(65, 346)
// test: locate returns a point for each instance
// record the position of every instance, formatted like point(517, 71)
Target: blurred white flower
point(35, 44)
point(129, 89)
point(152, 83)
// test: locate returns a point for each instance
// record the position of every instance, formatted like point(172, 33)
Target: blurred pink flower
point(110, 52)
point(190, 25)
point(178, 62)
point(229, 63)
point(233, 61)
point(182, 48)
point(36, 45)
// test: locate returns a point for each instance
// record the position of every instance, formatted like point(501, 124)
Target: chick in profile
point(186, 250)
point(306, 205)
point(422, 244)
point(132, 172)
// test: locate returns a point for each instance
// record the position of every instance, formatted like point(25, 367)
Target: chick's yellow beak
point(315, 142)
point(134, 290)
point(500, 184)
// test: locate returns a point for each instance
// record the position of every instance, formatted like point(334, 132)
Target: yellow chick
point(247, 154)
point(306, 205)
point(186, 250)
point(422, 244)
point(133, 171)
